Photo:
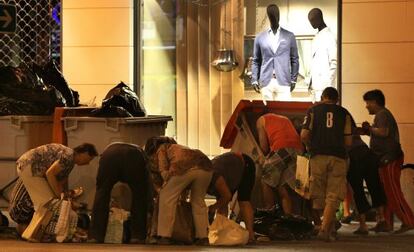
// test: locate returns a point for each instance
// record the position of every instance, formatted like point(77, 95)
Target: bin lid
point(143, 119)
point(27, 118)
point(257, 106)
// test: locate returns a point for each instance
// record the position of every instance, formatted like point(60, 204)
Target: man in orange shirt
point(280, 143)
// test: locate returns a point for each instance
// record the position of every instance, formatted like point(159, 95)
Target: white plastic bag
point(115, 227)
point(63, 222)
point(302, 177)
point(227, 232)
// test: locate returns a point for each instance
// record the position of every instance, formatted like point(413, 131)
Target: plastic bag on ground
point(227, 232)
point(115, 227)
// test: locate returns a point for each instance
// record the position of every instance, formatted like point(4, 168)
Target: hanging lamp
point(226, 59)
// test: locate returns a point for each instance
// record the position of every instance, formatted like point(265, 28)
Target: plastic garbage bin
point(101, 132)
point(19, 134)
point(240, 132)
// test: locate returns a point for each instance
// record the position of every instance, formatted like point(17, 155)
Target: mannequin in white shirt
point(324, 56)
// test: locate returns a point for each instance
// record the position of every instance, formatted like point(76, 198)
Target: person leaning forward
point(43, 174)
point(127, 163)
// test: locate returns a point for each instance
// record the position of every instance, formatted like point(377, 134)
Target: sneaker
point(381, 226)
point(404, 228)
point(202, 242)
point(347, 219)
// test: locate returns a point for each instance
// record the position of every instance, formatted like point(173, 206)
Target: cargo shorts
point(328, 180)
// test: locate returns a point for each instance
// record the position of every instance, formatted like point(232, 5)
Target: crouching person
point(43, 174)
point(233, 172)
point(180, 168)
point(121, 162)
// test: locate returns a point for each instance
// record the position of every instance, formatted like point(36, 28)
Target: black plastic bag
point(22, 85)
point(51, 75)
point(123, 96)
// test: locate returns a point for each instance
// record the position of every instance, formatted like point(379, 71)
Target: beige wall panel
point(86, 65)
point(407, 141)
point(410, 21)
point(376, 63)
point(368, 22)
point(193, 82)
point(92, 92)
point(398, 97)
point(204, 80)
point(97, 27)
point(238, 46)
point(215, 82)
point(96, 3)
point(181, 100)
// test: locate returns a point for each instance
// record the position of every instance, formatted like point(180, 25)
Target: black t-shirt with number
point(328, 124)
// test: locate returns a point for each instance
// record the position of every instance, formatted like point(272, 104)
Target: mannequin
point(275, 60)
point(324, 56)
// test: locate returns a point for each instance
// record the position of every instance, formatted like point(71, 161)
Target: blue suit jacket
point(285, 62)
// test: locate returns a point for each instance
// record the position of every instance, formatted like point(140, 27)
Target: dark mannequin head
point(315, 17)
point(273, 15)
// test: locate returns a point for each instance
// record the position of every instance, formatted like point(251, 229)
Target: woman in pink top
point(280, 143)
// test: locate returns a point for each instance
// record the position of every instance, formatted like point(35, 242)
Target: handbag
point(41, 218)
point(302, 177)
point(183, 230)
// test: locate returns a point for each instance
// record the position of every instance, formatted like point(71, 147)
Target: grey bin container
point(18, 134)
point(101, 132)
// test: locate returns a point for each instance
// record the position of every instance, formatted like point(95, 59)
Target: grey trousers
point(198, 180)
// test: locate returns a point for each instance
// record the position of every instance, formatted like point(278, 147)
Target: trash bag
point(224, 231)
point(123, 96)
point(282, 227)
point(51, 75)
point(10, 106)
point(23, 85)
point(109, 110)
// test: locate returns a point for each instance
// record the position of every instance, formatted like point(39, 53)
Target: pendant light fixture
point(226, 60)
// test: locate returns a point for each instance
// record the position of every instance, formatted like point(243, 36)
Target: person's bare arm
point(261, 131)
point(51, 176)
point(225, 195)
point(348, 131)
point(305, 136)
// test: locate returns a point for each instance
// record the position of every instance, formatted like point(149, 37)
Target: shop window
point(294, 18)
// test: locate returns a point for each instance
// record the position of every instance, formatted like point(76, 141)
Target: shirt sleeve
point(381, 121)
point(348, 125)
point(66, 162)
point(163, 162)
point(307, 121)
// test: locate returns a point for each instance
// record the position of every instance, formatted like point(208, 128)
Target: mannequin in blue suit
point(275, 60)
